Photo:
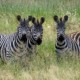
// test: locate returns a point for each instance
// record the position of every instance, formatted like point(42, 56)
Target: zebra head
point(60, 27)
point(23, 28)
point(37, 29)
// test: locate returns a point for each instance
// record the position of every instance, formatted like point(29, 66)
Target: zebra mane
point(61, 19)
point(37, 21)
point(23, 22)
point(24, 19)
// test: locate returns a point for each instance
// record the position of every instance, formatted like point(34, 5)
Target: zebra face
point(37, 30)
point(60, 31)
point(60, 27)
point(23, 28)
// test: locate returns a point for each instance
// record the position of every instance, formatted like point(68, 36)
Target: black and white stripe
point(64, 44)
point(36, 35)
point(14, 44)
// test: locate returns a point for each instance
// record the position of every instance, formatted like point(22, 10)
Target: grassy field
point(44, 66)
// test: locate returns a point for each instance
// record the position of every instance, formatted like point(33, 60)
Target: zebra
point(35, 38)
point(75, 36)
point(14, 44)
point(65, 45)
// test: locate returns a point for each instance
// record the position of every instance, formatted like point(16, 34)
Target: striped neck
point(61, 45)
point(17, 46)
point(17, 43)
point(30, 42)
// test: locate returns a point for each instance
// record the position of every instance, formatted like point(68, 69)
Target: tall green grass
point(44, 66)
point(47, 8)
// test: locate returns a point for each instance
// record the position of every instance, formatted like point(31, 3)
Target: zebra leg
point(59, 58)
point(2, 62)
point(35, 52)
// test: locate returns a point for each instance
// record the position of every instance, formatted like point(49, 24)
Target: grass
point(44, 66)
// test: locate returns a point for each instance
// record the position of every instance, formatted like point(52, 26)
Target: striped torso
point(11, 46)
point(65, 44)
point(75, 36)
point(68, 47)
point(15, 44)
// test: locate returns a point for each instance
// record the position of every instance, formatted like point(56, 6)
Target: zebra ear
point(65, 18)
point(18, 17)
point(55, 18)
point(33, 20)
point(42, 20)
point(30, 18)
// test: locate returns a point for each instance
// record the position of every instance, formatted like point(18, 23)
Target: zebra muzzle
point(61, 38)
point(39, 41)
point(24, 38)
point(38, 37)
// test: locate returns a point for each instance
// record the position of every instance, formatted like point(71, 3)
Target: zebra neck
point(16, 48)
point(17, 43)
point(31, 42)
point(61, 43)
point(21, 43)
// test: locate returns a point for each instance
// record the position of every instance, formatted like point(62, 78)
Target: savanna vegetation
point(44, 66)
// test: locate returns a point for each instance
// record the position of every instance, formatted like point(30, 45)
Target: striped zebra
point(65, 45)
point(35, 38)
point(75, 36)
point(15, 44)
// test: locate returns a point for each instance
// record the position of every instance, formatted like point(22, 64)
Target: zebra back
point(75, 36)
